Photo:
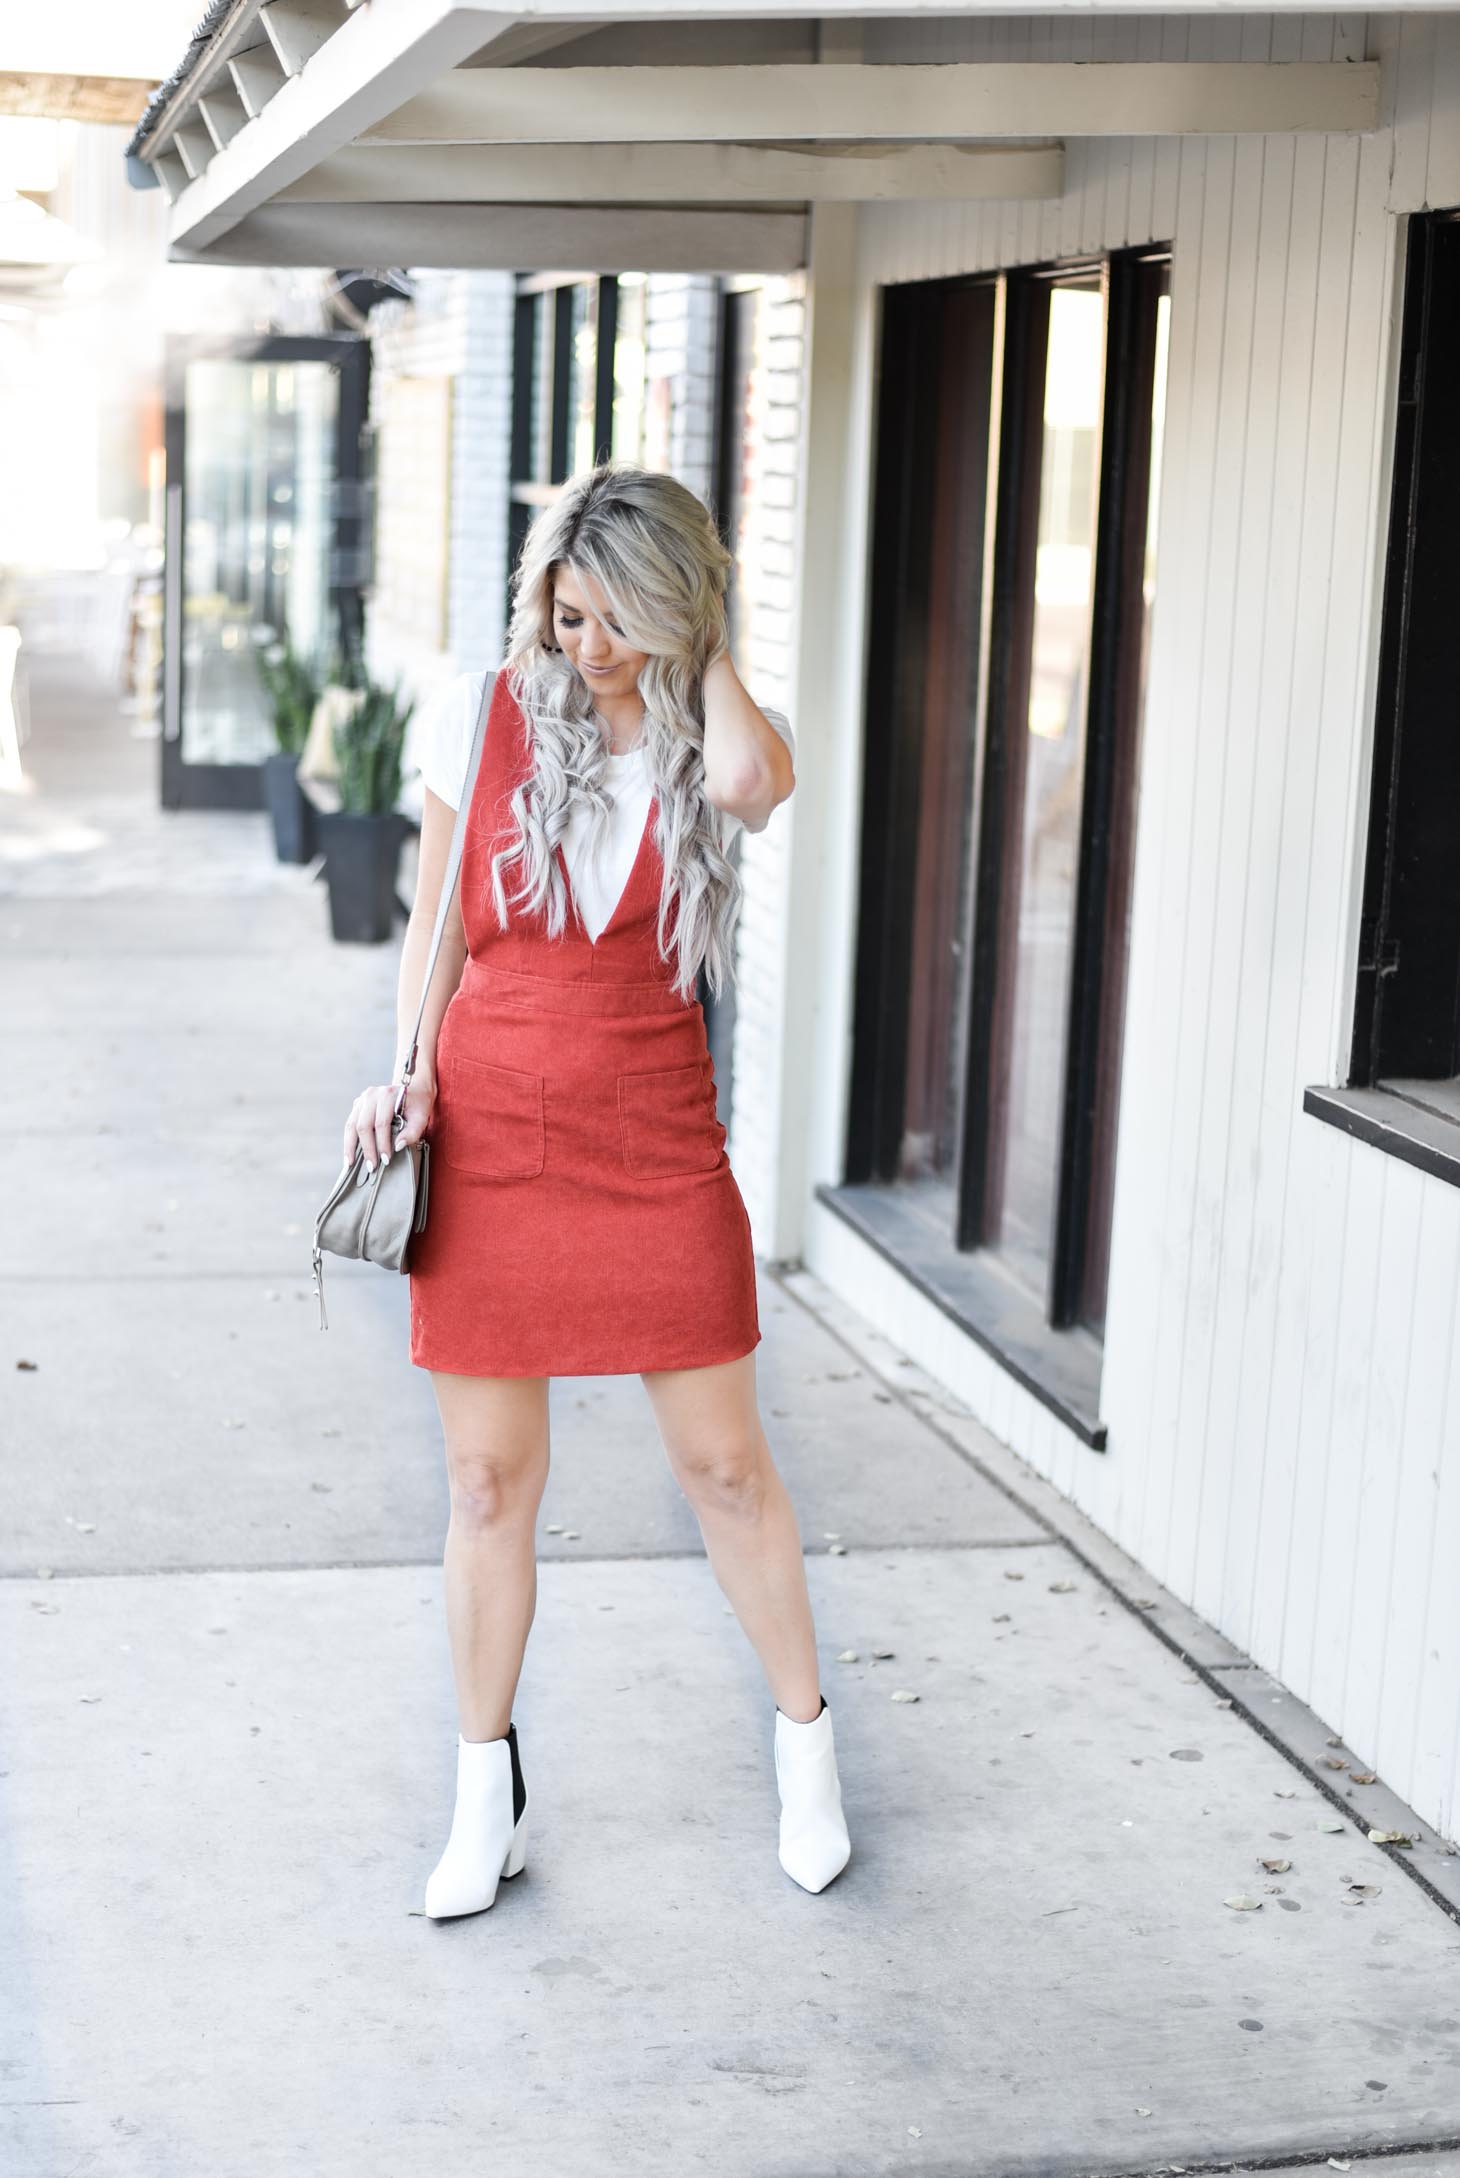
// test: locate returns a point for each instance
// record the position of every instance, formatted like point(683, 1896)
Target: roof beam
point(379, 54)
point(676, 173)
point(585, 238)
point(194, 148)
point(256, 77)
point(296, 29)
point(909, 102)
point(223, 112)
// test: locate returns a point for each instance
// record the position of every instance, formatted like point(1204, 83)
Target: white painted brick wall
point(681, 342)
point(459, 325)
point(767, 585)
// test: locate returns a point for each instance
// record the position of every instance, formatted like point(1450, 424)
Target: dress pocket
point(667, 1121)
point(489, 1120)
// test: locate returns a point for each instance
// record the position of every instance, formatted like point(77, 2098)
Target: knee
point(490, 1489)
point(728, 1478)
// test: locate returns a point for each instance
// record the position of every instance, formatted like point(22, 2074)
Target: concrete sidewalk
point(229, 1733)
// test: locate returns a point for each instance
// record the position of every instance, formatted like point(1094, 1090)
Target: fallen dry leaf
point(1327, 1822)
point(1334, 1762)
point(884, 1655)
point(1061, 1588)
point(836, 1550)
point(901, 1694)
point(1390, 1837)
point(27, 1364)
point(1241, 1903)
point(1010, 1575)
point(1362, 1777)
point(847, 1656)
point(1276, 1866)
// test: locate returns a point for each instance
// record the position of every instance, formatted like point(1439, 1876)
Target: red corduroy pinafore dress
point(583, 1218)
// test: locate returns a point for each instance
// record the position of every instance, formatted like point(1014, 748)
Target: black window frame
point(1402, 1094)
point(187, 784)
point(527, 493)
point(932, 1233)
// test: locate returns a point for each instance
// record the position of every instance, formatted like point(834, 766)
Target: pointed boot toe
point(814, 1845)
point(487, 1840)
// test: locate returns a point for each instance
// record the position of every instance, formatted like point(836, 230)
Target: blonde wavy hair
point(653, 547)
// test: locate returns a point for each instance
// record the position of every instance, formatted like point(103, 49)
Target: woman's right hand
point(370, 1122)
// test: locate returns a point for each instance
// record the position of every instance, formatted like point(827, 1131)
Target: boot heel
point(517, 1853)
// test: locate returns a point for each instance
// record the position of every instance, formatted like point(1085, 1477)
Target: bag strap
point(448, 881)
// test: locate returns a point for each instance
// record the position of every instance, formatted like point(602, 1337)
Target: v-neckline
point(619, 904)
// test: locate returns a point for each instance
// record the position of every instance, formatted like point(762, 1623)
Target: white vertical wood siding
point(1284, 1416)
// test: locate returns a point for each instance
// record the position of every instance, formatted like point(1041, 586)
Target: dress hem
point(619, 1368)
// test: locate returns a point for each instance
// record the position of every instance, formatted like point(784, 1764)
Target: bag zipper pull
point(318, 1267)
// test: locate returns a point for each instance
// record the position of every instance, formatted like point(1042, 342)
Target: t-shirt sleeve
point(782, 724)
point(442, 735)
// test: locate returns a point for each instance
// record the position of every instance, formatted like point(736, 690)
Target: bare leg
point(497, 1467)
point(710, 1423)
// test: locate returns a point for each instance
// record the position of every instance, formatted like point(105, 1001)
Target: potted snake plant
point(362, 838)
point(292, 687)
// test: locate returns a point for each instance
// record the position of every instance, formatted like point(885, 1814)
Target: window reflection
point(1046, 848)
point(258, 497)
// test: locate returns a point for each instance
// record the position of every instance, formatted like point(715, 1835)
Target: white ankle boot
point(814, 1843)
point(487, 1830)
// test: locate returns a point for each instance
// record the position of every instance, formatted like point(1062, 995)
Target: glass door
point(264, 542)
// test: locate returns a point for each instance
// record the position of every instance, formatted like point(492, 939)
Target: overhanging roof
point(446, 132)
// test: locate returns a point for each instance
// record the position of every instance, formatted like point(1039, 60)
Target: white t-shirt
point(441, 738)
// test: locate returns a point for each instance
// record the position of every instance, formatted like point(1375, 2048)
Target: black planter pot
point(290, 808)
point(361, 856)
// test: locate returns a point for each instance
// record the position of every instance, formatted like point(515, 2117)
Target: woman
point(583, 1216)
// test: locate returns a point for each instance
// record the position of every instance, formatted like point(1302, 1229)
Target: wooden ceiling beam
point(578, 238)
point(907, 103)
point(113, 100)
point(674, 173)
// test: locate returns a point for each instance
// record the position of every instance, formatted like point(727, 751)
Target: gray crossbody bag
point(372, 1217)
